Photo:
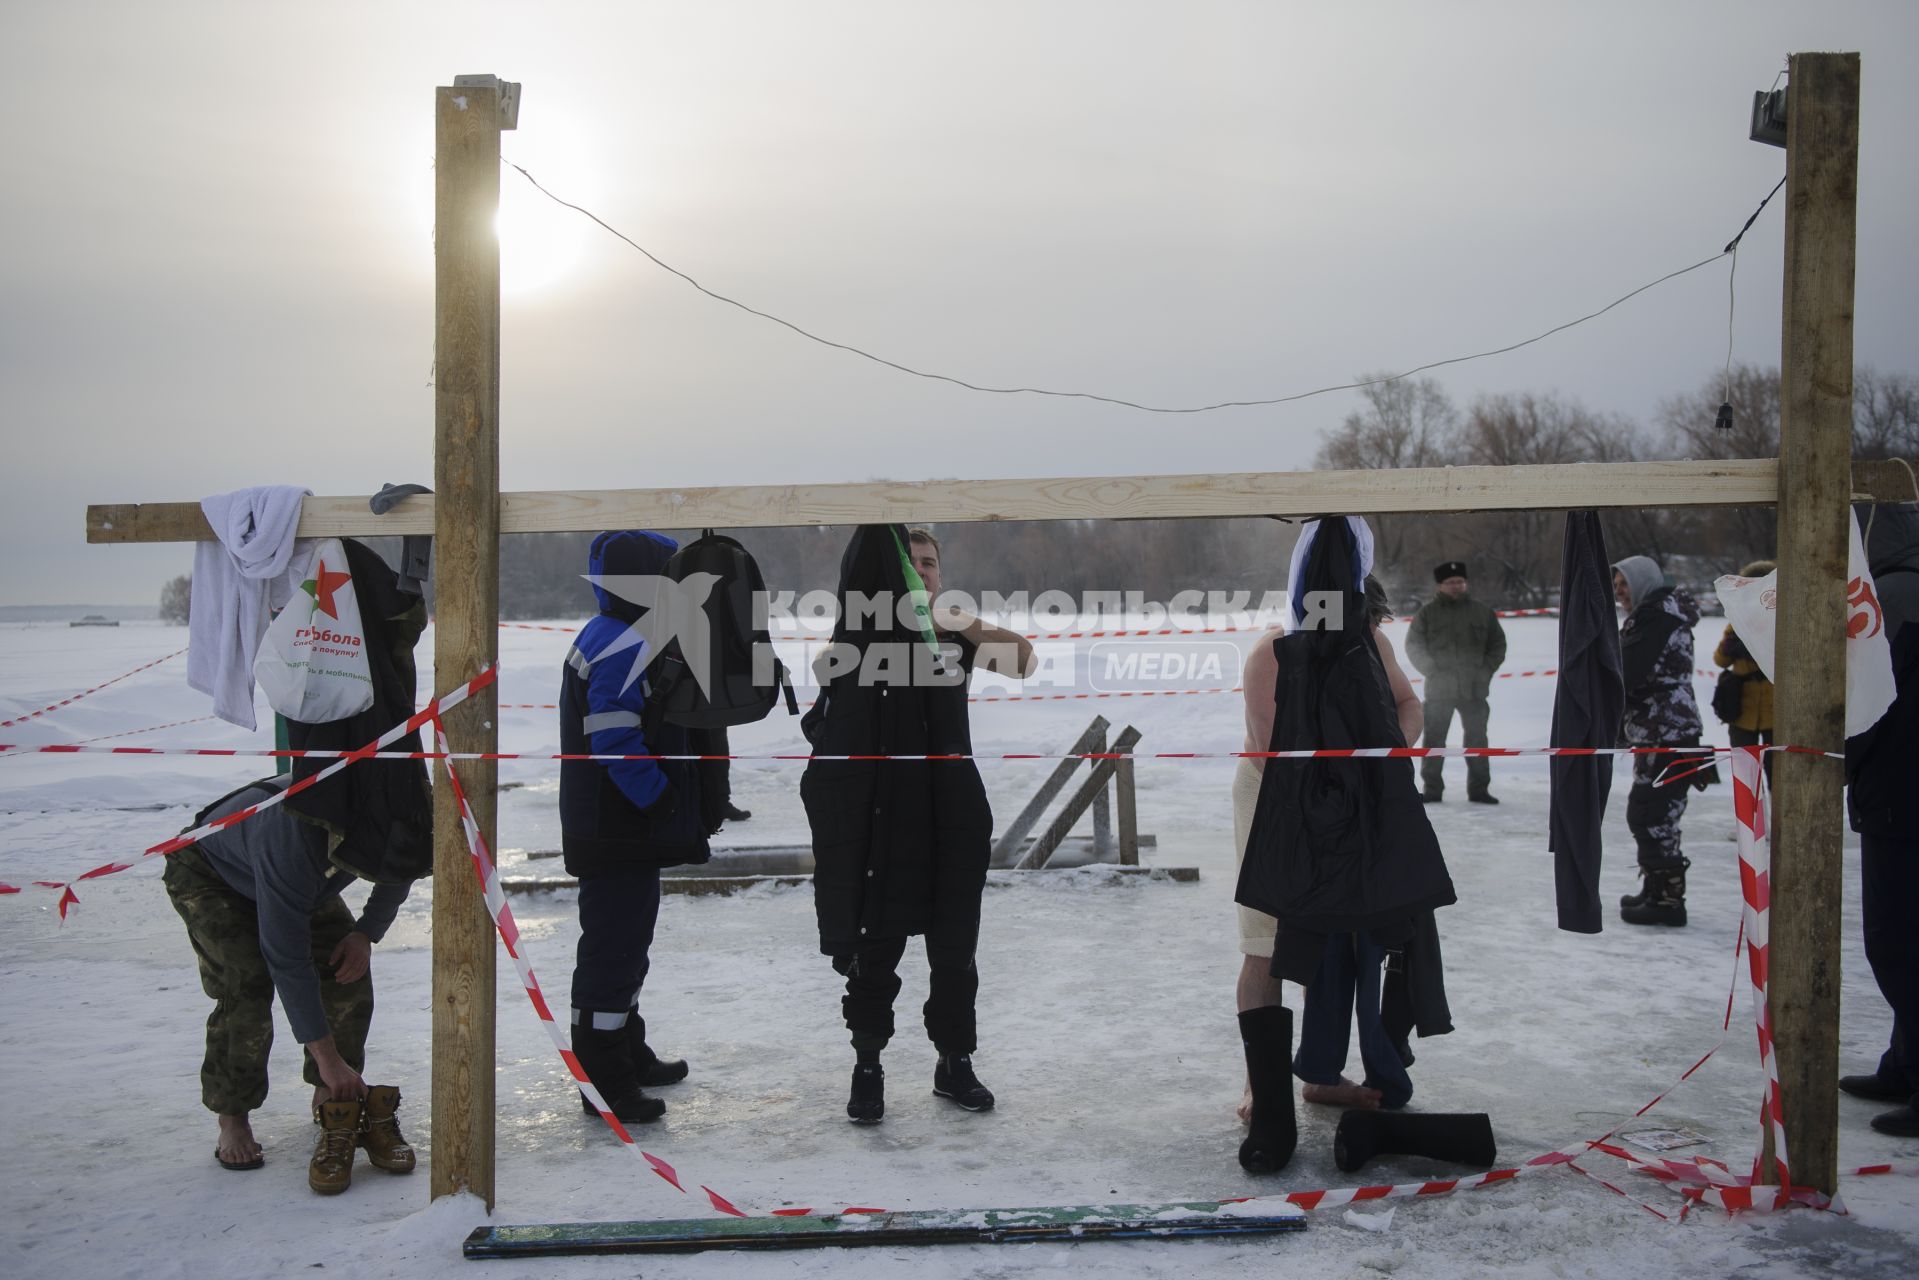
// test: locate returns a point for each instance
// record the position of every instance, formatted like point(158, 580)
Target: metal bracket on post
point(509, 96)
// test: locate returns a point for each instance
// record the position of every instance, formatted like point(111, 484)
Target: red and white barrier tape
point(496, 906)
point(1699, 1180)
point(342, 759)
point(1701, 673)
point(84, 692)
point(1346, 753)
point(1114, 634)
point(152, 728)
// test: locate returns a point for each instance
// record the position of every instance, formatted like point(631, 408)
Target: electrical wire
point(1115, 400)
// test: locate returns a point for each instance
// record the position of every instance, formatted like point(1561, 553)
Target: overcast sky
point(217, 260)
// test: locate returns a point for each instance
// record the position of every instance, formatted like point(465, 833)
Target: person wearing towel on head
point(1457, 644)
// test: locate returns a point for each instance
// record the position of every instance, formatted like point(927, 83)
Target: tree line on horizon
point(1514, 557)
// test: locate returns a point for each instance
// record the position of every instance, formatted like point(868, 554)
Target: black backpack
point(1729, 696)
point(733, 636)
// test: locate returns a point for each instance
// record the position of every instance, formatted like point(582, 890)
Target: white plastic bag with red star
point(1752, 604)
point(312, 663)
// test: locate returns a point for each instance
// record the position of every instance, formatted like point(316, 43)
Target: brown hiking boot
point(331, 1170)
point(380, 1131)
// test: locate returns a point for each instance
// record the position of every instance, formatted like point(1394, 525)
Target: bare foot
point(1246, 1104)
point(236, 1141)
point(1343, 1094)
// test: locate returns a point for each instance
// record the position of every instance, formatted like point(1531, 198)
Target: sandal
point(239, 1166)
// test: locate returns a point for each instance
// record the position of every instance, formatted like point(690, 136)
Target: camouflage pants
point(1653, 811)
point(225, 932)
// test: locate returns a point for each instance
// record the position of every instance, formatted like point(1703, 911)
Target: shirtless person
point(1257, 988)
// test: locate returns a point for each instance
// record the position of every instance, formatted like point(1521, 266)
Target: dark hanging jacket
point(1882, 764)
point(624, 813)
point(1338, 845)
point(377, 814)
point(1588, 705)
point(897, 845)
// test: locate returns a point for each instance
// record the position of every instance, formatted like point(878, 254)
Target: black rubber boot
point(1662, 901)
point(867, 1105)
point(953, 1078)
point(604, 1057)
point(1457, 1139)
point(651, 1069)
point(1267, 1035)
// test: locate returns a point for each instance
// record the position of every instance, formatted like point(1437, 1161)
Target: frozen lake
point(1106, 1013)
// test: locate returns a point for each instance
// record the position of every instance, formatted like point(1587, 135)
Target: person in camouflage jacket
point(1656, 654)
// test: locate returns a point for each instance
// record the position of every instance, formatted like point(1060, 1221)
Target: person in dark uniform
point(1457, 644)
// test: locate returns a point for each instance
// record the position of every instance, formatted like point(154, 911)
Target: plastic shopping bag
point(1752, 603)
point(312, 663)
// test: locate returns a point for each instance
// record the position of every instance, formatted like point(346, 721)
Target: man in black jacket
point(1884, 807)
point(900, 847)
point(620, 822)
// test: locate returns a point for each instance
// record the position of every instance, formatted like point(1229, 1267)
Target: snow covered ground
point(1107, 1031)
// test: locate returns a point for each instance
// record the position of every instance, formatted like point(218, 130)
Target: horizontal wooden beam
point(1433, 490)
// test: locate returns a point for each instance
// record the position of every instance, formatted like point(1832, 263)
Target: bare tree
point(1408, 422)
point(176, 599)
point(1518, 552)
point(1885, 414)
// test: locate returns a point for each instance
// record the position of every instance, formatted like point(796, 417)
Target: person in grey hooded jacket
point(1656, 657)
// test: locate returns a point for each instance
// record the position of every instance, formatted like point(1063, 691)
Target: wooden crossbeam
point(1555, 487)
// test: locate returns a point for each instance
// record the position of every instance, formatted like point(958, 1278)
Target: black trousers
point(618, 911)
point(1889, 874)
point(1473, 715)
point(873, 983)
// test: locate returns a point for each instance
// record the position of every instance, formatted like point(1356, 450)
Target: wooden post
point(1815, 448)
point(1128, 812)
point(466, 536)
point(1103, 847)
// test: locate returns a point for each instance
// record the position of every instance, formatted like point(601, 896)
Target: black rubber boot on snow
point(603, 1056)
point(1273, 1132)
point(867, 1105)
point(651, 1069)
point(1663, 899)
point(1457, 1139)
point(953, 1078)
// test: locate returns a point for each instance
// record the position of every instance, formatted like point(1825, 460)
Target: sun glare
point(540, 242)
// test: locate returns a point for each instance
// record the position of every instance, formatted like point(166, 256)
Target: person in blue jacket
point(620, 822)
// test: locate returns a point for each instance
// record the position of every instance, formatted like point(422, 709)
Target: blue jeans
point(1349, 979)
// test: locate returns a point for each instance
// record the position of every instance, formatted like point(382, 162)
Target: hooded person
point(900, 847)
point(1883, 806)
point(621, 821)
point(1656, 661)
point(1339, 852)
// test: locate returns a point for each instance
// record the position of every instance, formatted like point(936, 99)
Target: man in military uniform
point(1457, 644)
point(263, 912)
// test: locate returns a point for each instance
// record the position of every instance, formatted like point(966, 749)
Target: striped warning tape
point(342, 759)
point(494, 896)
point(1699, 1181)
point(96, 688)
point(1100, 634)
point(1702, 752)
